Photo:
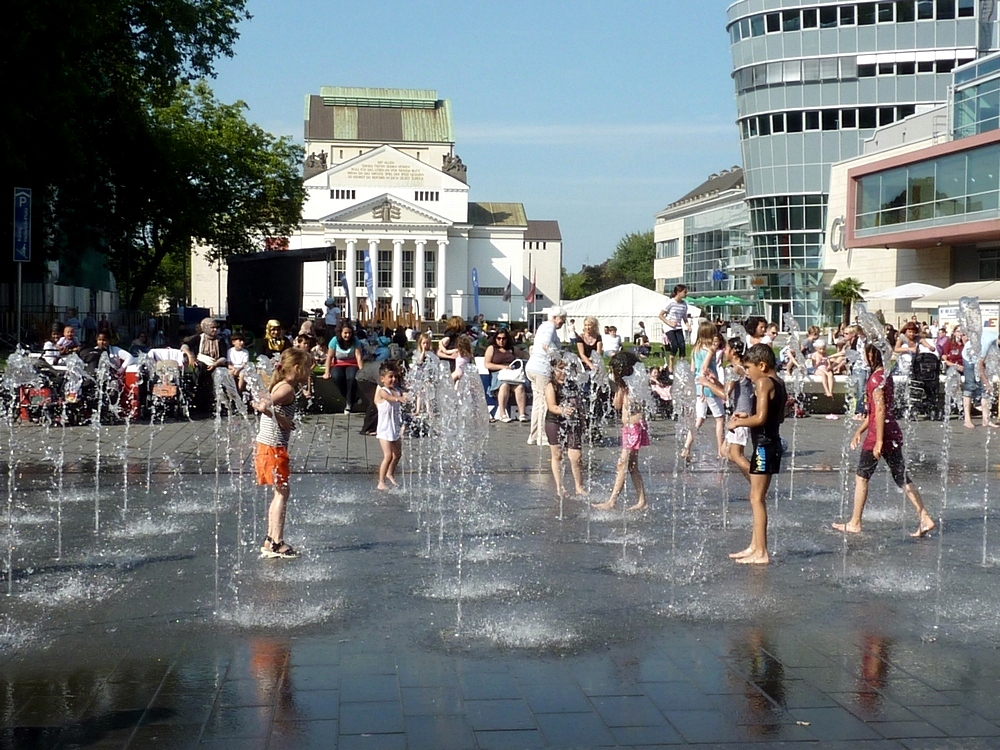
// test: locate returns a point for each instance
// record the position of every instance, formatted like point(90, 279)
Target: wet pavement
point(140, 615)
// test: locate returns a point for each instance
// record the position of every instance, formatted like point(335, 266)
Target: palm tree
point(847, 291)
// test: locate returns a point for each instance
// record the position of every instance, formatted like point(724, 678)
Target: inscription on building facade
point(384, 171)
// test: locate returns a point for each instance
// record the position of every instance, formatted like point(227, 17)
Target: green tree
point(632, 262)
point(81, 80)
point(211, 178)
point(847, 291)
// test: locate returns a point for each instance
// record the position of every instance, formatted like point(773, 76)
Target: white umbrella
point(912, 290)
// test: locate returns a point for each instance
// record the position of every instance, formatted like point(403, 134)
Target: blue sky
point(596, 114)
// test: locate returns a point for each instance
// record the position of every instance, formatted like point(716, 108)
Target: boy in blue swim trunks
point(764, 423)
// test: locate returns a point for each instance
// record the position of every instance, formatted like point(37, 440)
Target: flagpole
point(532, 303)
point(510, 297)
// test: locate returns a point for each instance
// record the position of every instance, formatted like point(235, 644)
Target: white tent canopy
point(623, 307)
point(986, 291)
point(912, 290)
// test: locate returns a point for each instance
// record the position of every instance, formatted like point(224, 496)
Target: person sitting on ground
point(237, 358)
point(140, 344)
point(68, 343)
point(500, 355)
point(274, 342)
point(821, 368)
point(204, 352)
point(343, 360)
point(756, 328)
point(118, 358)
point(50, 349)
point(612, 342)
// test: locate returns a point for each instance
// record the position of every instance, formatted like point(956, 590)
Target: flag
point(530, 299)
point(370, 282)
point(475, 291)
point(347, 295)
point(506, 292)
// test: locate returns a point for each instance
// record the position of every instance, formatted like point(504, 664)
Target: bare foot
point(926, 526)
point(392, 482)
point(381, 486)
point(970, 425)
point(582, 493)
point(759, 558)
point(743, 553)
point(685, 454)
point(851, 528)
point(641, 505)
point(609, 505)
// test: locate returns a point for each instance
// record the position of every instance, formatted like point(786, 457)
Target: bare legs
point(276, 513)
point(576, 468)
point(756, 553)
point(853, 526)
point(984, 407)
point(738, 457)
point(627, 462)
point(720, 436)
point(391, 451)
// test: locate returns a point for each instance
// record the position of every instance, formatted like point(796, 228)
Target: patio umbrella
point(906, 291)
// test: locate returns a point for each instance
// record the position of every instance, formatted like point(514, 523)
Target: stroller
point(924, 385)
point(167, 389)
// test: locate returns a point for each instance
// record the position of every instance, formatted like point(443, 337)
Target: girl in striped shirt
point(277, 412)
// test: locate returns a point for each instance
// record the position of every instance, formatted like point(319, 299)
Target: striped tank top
point(269, 433)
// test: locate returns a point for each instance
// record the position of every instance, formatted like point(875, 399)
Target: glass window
point(904, 10)
point(792, 72)
point(773, 73)
point(790, 20)
point(847, 15)
point(966, 8)
point(773, 23)
point(925, 66)
point(866, 14)
point(810, 70)
point(830, 119)
point(982, 181)
point(892, 198)
point(965, 112)
point(359, 267)
point(408, 256)
point(745, 129)
point(757, 26)
point(949, 183)
point(869, 201)
point(384, 268)
point(987, 111)
point(886, 116)
point(764, 125)
point(944, 66)
point(828, 68)
point(886, 69)
point(925, 9)
point(828, 17)
point(867, 118)
point(814, 214)
point(809, 18)
point(430, 268)
point(905, 110)
point(812, 120)
point(848, 118)
point(920, 191)
point(778, 123)
point(744, 28)
point(867, 70)
point(753, 126)
point(906, 68)
point(793, 122)
point(848, 67)
point(885, 13)
point(945, 9)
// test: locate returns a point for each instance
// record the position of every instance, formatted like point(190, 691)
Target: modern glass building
point(814, 80)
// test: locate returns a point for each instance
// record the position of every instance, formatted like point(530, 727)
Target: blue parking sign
point(22, 225)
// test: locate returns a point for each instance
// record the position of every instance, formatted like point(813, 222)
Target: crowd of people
point(739, 384)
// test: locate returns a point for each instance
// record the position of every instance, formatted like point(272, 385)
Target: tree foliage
point(125, 154)
point(848, 291)
point(631, 263)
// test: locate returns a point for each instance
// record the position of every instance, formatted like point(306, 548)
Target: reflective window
point(904, 10)
point(408, 264)
point(925, 9)
point(790, 20)
point(847, 15)
point(828, 17)
point(773, 21)
point(809, 18)
point(885, 14)
point(945, 9)
point(866, 14)
point(430, 268)
point(966, 8)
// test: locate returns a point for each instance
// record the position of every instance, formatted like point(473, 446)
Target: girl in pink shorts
point(635, 432)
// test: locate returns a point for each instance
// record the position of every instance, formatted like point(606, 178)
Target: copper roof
point(497, 215)
point(374, 115)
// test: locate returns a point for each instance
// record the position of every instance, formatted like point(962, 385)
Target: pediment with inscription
point(385, 210)
point(385, 167)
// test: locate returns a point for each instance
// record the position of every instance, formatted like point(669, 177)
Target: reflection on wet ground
point(418, 618)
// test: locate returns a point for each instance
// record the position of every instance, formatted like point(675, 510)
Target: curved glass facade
point(813, 81)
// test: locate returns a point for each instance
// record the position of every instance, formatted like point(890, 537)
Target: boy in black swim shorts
point(764, 424)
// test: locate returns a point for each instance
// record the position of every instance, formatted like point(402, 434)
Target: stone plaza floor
point(140, 615)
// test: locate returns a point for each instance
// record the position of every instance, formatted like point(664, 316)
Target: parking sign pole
point(22, 242)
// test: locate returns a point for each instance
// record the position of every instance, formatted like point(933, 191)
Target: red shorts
point(271, 463)
point(635, 436)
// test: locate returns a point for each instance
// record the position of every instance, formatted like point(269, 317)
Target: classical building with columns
point(383, 182)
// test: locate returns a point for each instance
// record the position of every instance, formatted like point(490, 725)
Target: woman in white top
point(538, 370)
point(673, 317)
point(910, 343)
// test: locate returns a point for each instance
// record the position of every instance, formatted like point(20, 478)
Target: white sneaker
point(530, 441)
point(505, 418)
point(347, 410)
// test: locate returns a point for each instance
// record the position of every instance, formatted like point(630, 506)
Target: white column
point(419, 291)
point(352, 276)
point(442, 289)
point(397, 275)
point(373, 251)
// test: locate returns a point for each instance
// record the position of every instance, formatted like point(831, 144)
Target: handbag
point(513, 374)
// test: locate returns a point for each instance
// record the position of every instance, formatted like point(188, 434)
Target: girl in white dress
point(388, 400)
